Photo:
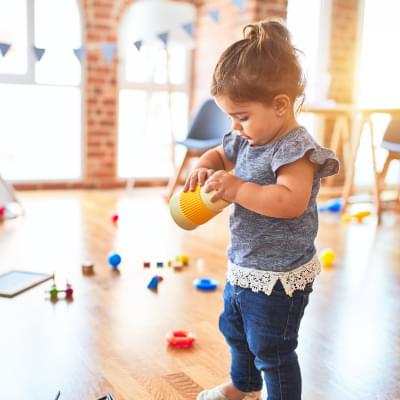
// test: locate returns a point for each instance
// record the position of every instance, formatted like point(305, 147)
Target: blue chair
point(390, 142)
point(206, 131)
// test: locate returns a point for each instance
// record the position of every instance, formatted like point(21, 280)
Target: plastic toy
point(334, 205)
point(87, 268)
point(159, 264)
point(146, 264)
point(114, 259)
point(115, 218)
point(327, 257)
point(206, 284)
point(358, 216)
point(153, 284)
point(54, 292)
point(183, 259)
point(177, 266)
point(180, 339)
point(191, 209)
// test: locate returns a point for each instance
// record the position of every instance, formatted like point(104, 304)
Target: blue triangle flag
point(79, 53)
point(108, 50)
point(189, 29)
point(138, 44)
point(240, 4)
point(214, 14)
point(164, 37)
point(38, 52)
point(4, 47)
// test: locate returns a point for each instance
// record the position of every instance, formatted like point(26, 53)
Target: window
point(154, 87)
point(40, 101)
point(378, 80)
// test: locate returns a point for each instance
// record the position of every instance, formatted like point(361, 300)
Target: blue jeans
point(262, 333)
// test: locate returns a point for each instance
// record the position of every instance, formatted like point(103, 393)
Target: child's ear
point(281, 103)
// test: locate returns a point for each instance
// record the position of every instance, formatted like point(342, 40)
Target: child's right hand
point(197, 176)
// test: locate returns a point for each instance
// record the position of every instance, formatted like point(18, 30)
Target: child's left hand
point(225, 185)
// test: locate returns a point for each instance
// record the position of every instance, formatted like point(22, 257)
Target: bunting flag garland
point(164, 37)
point(79, 53)
point(4, 47)
point(189, 29)
point(38, 52)
point(108, 50)
point(138, 44)
point(214, 14)
point(240, 4)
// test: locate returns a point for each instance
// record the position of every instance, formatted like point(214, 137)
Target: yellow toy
point(359, 216)
point(191, 209)
point(327, 257)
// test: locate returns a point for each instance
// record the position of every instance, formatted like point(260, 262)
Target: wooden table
point(342, 136)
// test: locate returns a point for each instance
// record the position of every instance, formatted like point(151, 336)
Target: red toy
point(115, 218)
point(181, 339)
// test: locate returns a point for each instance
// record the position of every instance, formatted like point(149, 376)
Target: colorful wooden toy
point(114, 259)
point(54, 292)
point(183, 259)
point(115, 218)
point(358, 216)
point(87, 268)
point(153, 284)
point(334, 205)
point(159, 264)
point(206, 284)
point(146, 264)
point(180, 339)
point(327, 257)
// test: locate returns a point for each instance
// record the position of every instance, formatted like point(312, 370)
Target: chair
point(206, 131)
point(390, 142)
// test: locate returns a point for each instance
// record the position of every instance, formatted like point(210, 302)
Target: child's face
point(255, 121)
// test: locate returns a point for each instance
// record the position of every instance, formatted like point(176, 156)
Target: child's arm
point(288, 198)
point(211, 161)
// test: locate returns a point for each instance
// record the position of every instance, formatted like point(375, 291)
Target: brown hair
point(260, 66)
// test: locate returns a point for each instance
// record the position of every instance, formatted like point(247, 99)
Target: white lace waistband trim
point(264, 281)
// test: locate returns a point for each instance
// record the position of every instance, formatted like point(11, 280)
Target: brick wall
point(343, 49)
point(100, 23)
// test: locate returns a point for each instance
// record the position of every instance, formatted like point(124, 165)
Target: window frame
point(29, 79)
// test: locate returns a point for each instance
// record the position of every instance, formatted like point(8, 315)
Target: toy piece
point(177, 266)
point(183, 259)
point(160, 264)
point(146, 264)
point(191, 209)
point(327, 257)
point(54, 292)
point(154, 282)
point(115, 218)
point(358, 216)
point(87, 268)
point(180, 339)
point(170, 262)
point(114, 259)
point(206, 284)
point(334, 205)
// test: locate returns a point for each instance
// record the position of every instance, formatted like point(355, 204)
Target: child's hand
point(198, 176)
point(225, 185)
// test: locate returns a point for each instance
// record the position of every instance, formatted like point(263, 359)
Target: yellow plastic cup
point(191, 209)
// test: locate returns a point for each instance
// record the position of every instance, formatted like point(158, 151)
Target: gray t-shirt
point(267, 243)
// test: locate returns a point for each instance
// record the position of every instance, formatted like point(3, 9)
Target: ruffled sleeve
point(300, 143)
point(231, 145)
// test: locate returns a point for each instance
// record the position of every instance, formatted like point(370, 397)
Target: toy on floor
point(191, 209)
point(180, 339)
point(206, 284)
point(334, 205)
point(115, 218)
point(114, 259)
point(358, 216)
point(87, 268)
point(146, 264)
point(153, 284)
point(54, 292)
point(183, 259)
point(327, 257)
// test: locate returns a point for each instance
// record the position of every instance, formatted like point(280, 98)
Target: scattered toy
point(206, 284)
point(358, 216)
point(114, 259)
point(180, 339)
point(87, 268)
point(327, 257)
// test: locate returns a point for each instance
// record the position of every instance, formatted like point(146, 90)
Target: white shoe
point(215, 394)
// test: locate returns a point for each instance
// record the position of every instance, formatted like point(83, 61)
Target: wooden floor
point(112, 336)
